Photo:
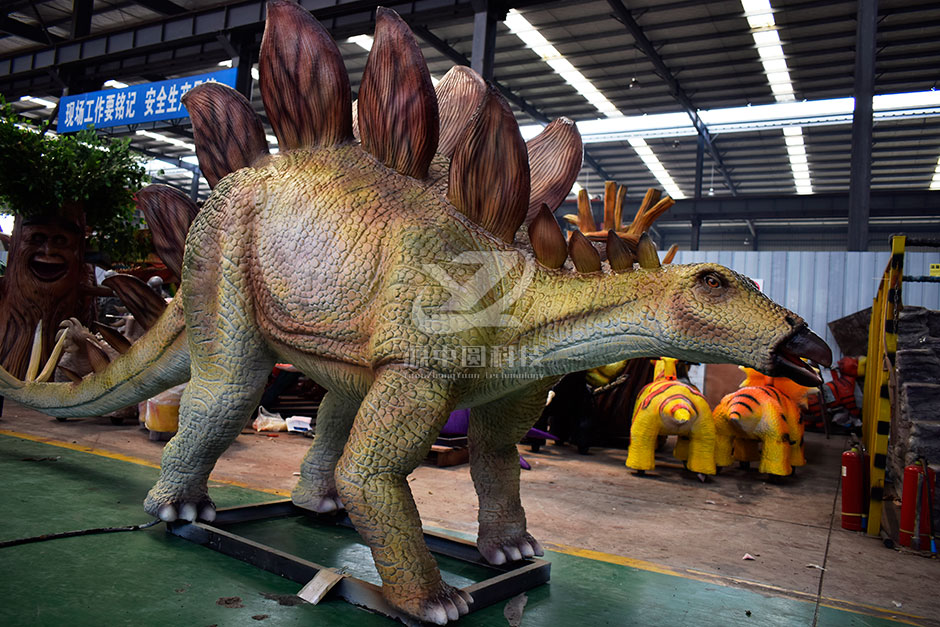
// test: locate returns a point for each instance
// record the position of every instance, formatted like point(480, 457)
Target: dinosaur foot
point(439, 605)
point(184, 508)
point(499, 549)
point(316, 498)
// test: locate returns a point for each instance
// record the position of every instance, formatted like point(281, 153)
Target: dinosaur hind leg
point(495, 429)
point(316, 488)
point(229, 364)
point(397, 422)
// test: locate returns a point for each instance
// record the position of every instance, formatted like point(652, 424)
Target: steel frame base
point(508, 580)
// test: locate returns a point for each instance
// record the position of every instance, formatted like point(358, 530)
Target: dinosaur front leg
point(495, 429)
point(393, 431)
point(316, 489)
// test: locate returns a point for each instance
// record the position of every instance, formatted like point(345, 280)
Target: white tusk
point(35, 354)
point(53, 361)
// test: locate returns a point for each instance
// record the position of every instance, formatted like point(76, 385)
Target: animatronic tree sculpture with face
point(57, 187)
point(45, 275)
point(395, 277)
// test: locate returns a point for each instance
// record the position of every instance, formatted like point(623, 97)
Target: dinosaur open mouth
point(788, 357)
point(47, 269)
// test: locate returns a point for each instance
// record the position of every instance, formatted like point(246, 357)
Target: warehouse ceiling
point(618, 68)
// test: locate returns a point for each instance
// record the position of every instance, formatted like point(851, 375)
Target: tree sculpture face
point(51, 249)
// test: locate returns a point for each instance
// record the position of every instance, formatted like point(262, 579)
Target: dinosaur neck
point(568, 322)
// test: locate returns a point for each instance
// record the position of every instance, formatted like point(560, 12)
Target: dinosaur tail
point(156, 362)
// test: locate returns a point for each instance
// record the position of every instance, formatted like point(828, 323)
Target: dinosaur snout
point(787, 357)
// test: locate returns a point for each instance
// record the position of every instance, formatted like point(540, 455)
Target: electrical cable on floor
point(80, 532)
point(825, 559)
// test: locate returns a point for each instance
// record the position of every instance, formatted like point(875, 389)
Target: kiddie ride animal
point(367, 263)
point(669, 407)
point(765, 410)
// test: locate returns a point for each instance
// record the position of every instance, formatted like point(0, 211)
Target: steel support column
point(246, 57)
point(194, 186)
point(81, 18)
point(699, 165)
point(860, 182)
point(696, 233)
point(484, 38)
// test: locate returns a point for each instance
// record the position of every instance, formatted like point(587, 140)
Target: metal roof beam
point(445, 49)
point(164, 7)
point(27, 31)
point(647, 48)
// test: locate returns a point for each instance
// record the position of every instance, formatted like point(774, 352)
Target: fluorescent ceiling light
point(760, 18)
point(651, 162)
point(363, 41)
point(40, 101)
point(115, 84)
point(168, 140)
point(935, 182)
point(535, 41)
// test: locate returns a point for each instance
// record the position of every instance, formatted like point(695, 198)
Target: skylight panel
point(535, 41)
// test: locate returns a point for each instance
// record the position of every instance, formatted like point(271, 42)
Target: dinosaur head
point(712, 314)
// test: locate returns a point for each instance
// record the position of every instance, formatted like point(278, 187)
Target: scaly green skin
point(328, 260)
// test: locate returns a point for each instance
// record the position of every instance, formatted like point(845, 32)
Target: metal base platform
point(507, 581)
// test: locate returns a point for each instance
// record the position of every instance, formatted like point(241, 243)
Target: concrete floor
point(593, 506)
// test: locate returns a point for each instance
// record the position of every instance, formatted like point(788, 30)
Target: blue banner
point(149, 102)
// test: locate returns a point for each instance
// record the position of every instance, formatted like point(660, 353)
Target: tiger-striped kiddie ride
point(669, 407)
point(761, 421)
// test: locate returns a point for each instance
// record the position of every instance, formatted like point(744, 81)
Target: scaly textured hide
point(405, 300)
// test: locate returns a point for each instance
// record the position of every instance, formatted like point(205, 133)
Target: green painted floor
point(147, 577)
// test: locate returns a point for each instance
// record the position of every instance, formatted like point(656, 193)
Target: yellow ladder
point(876, 407)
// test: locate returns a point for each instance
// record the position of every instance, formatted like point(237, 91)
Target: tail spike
point(355, 120)
point(618, 206)
point(610, 201)
point(304, 85)
point(227, 132)
point(619, 255)
point(459, 95)
point(547, 239)
point(35, 354)
point(555, 157)
point(53, 361)
point(646, 253)
point(670, 254)
point(585, 257)
point(398, 116)
point(489, 173)
point(98, 359)
point(8, 380)
point(117, 341)
point(585, 214)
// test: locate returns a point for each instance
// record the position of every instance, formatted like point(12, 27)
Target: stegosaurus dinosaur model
point(397, 280)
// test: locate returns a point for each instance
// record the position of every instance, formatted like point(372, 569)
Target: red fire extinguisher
point(916, 501)
point(854, 506)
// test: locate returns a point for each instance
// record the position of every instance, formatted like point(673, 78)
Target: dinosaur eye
point(711, 280)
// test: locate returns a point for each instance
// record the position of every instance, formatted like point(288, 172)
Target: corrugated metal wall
point(824, 286)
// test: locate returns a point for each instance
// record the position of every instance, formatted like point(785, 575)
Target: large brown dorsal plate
point(398, 119)
point(304, 85)
point(227, 132)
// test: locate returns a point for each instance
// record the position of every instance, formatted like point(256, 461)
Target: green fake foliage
point(40, 175)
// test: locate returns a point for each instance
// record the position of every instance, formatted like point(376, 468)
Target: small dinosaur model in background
point(764, 410)
point(669, 407)
point(390, 271)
